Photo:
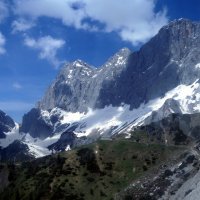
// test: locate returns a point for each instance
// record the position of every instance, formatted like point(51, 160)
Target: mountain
point(85, 103)
point(78, 85)
point(130, 78)
point(12, 146)
point(133, 125)
point(131, 88)
point(6, 124)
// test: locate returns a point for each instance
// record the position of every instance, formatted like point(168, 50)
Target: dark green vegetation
point(96, 171)
point(16, 151)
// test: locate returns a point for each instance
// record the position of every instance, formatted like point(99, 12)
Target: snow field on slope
point(102, 120)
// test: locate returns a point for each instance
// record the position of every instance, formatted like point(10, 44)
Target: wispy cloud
point(2, 44)
point(21, 25)
point(47, 47)
point(17, 86)
point(3, 10)
point(134, 20)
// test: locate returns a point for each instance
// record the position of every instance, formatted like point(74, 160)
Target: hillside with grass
point(96, 171)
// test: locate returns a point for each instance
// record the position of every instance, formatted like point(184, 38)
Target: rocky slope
point(6, 124)
point(96, 171)
point(12, 146)
point(158, 161)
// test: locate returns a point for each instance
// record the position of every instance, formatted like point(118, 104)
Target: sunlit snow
point(108, 120)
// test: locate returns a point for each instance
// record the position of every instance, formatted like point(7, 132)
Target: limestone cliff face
point(168, 59)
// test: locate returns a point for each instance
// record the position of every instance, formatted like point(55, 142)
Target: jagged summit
point(76, 65)
point(132, 78)
point(118, 59)
point(181, 23)
point(122, 53)
point(182, 29)
point(124, 50)
point(78, 84)
point(178, 21)
point(80, 63)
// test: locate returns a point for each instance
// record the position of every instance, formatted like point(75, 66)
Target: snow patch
point(111, 120)
point(70, 74)
point(11, 136)
point(120, 61)
point(107, 121)
point(197, 66)
point(94, 76)
point(38, 147)
point(78, 63)
point(68, 148)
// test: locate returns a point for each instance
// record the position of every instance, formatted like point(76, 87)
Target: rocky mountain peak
point(182, 32)
point(181, 25)
point(118, 59)
point(76, 66)
point(124, 51)
point(132, 78)
point(80, 64)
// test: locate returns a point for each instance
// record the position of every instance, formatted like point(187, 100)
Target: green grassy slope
point(97, 171)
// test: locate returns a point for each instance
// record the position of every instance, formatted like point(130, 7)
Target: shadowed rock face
point(176, 129)
point(66, 139)
point(170, 106)
point(6, 124)
point(130, 78)
point(17, 151)
point(35, 125)
point(187, 123)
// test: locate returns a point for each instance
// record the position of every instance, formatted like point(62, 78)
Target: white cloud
point(134, 20)
point(3, 10)
point(2, 44)
point(47, 46)
point(9, 106)
point(3, 15)
point(50, 8)
point(17, 86)
point(22, 25)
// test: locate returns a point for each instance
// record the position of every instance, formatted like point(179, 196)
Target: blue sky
point(38, 36)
